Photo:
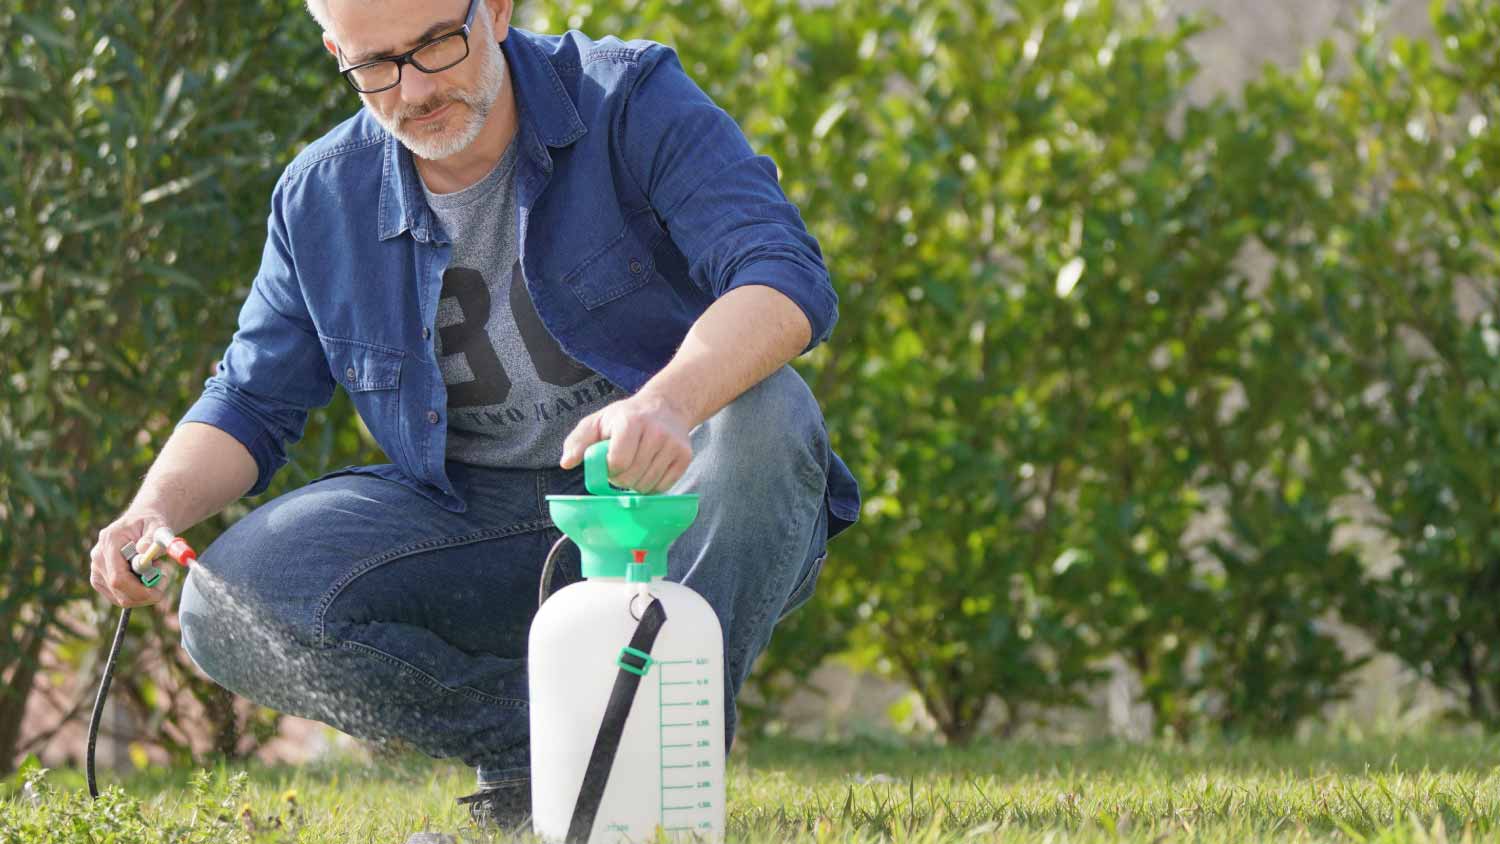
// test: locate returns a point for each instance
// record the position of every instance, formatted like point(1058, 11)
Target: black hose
point(109, 672)
point(545, 588)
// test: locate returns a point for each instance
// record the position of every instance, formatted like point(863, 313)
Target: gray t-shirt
point(513, 394)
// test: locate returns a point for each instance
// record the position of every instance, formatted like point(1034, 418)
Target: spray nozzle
point(163, 540)
point(175, 546)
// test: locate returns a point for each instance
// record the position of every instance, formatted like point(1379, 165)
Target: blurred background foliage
point(1119, 371)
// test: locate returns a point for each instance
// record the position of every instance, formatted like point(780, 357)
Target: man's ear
point(499, 11)
point(328, 44)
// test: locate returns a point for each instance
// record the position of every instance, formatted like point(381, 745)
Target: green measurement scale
point(686, 724)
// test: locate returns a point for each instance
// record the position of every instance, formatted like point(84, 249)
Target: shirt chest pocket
point(372, 375)
point(622, 265)
point(362, 367)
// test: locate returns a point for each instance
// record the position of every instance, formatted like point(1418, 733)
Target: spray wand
point(163, 540)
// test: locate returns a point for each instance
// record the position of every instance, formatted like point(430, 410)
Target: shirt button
point(636, 266)
point(349, 373)
point(426, 332)
point(432, 416)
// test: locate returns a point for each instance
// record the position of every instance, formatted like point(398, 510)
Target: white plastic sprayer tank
point(668, 771)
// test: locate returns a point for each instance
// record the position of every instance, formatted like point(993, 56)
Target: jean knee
point(202, 638)
point(250, 572)
point(775, 428)
point(246, 652)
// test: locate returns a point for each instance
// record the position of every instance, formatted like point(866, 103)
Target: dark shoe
point(507, 806)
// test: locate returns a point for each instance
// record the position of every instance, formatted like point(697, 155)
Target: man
point(522, 245)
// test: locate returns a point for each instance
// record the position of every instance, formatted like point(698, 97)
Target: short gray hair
point(319, 11)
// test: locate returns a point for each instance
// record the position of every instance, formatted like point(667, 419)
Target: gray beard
point(437, 145)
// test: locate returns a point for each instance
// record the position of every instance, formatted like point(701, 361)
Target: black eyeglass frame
point(408, 57)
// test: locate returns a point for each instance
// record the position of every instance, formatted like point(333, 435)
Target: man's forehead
point(366, 29)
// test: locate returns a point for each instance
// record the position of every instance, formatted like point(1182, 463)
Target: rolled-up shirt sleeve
point(274, 370)
point(722, 203)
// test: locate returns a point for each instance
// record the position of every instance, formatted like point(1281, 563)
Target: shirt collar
point(545, 112)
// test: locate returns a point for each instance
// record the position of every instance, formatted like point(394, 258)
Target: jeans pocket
point(805, 588)
point(387, 471)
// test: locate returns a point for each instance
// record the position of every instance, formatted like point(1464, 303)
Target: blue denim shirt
point(639, 203)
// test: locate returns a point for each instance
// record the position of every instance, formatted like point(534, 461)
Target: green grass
point(1413, 789)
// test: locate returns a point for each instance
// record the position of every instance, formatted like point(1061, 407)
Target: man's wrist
point(669, 401)
point(154, 502)
point(155, 515)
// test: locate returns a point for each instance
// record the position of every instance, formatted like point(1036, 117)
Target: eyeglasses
point(432, 56)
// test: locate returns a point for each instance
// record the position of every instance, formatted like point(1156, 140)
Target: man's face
point(435, 115)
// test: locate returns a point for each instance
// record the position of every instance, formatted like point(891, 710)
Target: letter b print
point(467, 337)
point(470, 337)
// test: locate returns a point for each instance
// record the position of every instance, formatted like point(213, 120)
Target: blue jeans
point(359, 603)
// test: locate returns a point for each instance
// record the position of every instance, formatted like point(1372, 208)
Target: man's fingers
point(681, 456)
point(646, 451)
point(650, 475)
point(675, 470)
point(110, 572)
point(129, 591)
point(97, 580)
point(99, 570)
point(634, 474)
point(652, 479)
point(583, 435)
point(123, 582)
point(624, 444)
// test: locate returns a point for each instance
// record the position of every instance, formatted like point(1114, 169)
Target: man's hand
point(109, 572)
point(649, 447)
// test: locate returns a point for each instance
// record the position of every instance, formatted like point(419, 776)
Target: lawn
point(1431, 788)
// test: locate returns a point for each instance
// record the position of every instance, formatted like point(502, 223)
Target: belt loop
point(541, 494)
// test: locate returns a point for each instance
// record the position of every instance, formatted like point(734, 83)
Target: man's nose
point(416, 86)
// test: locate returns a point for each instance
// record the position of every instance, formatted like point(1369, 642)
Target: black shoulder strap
point(634, 662)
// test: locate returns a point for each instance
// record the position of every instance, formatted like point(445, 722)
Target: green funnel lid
point(615, 529)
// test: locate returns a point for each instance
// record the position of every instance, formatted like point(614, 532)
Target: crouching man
point(522, 244)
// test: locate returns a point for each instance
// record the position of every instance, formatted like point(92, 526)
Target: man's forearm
point(199, 472)
point(743, 337)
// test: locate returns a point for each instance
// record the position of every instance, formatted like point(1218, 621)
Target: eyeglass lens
point(439, 55)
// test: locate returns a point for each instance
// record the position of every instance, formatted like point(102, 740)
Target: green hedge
point(138, 146)
point(1111, 366)
point(1398, 238)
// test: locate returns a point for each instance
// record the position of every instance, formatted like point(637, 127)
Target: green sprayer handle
point(596, 471)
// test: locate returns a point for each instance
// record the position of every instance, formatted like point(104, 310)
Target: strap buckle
point(645, 658)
